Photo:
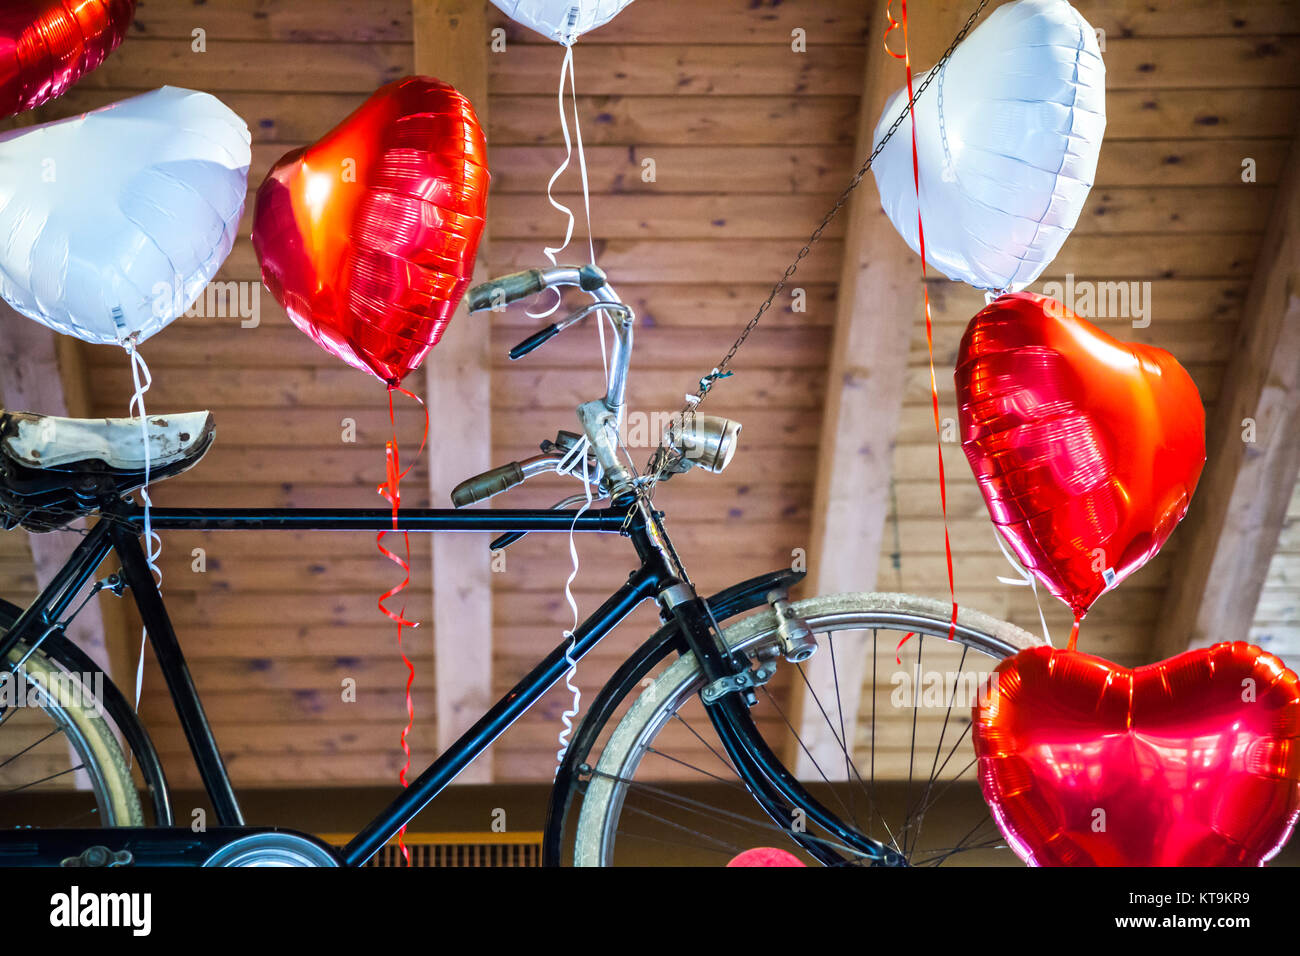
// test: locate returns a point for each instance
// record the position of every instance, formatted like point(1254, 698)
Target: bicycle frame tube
point(642, 584)
point(55, 598)
point(189, 709)
point(376, 519)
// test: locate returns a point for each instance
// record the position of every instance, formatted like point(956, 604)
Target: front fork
point(728, 694)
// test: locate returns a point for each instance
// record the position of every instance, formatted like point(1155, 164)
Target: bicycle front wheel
point(664, 791)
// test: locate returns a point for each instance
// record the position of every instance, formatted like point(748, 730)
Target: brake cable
point(662, 460)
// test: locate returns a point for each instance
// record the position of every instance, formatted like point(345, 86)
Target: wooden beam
point(879, 303)
point(1232, 527)
point(451, 43)
point(41, 374)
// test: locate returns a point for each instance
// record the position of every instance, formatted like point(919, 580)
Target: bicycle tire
point(91, 736)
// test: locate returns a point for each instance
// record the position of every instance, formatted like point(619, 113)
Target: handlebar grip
point(497, 293)
point(489, 483)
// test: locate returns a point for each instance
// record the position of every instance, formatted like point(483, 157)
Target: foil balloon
point(764, 856)
point(47, 45)
point(368, 236)
point(1007, 143)
point(1194, 761)
point(562, 20)
point(115, 220)
point(1086, 449)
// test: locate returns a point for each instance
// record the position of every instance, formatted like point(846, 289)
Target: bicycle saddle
point(54, 470)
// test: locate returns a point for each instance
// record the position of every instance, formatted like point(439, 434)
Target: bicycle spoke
point(726, 816)
point(839, 706)
point(34, 783)
point(839, 740)
point(688, 766)
point(52, 733)
point(943, 730)
point(696, 734)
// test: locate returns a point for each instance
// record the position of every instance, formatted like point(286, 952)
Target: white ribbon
point(142, 379)
point(566, 70)
point(577, 453)
point(1024, 580)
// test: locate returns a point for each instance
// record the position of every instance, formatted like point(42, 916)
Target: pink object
point(765, 856)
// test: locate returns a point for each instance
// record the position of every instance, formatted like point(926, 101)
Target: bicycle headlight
point(705, 441)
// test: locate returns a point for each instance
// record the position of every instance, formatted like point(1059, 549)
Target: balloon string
point(142, 379)
point(392, 493)
point(565, 467)
point(566, 71)
point(1025, 580)
point(929, 324)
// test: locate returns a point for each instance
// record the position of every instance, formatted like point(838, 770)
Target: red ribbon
point(929, 326)
point(392, 492)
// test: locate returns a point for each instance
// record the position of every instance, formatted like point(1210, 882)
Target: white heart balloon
point(115, 220)
point(1007, 142)
point(562, 20)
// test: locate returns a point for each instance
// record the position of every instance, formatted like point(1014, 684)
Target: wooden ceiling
point(750, 141)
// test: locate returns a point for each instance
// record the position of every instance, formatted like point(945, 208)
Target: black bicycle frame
point(119, 529)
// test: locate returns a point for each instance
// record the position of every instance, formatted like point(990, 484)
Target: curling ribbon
point(1025, 580)
point(929, 327)
point(566, 71)
point(142, 379)
point(392, 493)
point(570, 461)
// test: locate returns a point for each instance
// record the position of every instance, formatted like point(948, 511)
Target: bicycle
point(715, 690)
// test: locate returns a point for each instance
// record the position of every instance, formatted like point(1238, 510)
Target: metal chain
point(662, 459)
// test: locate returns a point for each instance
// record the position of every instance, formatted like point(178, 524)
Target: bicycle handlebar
point(600, 418)
point(500, 292)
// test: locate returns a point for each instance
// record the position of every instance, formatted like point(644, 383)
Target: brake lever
point(510, 537)
point(539, 338)
point(542, 336)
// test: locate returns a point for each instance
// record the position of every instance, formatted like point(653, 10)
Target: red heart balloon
point(765, 856)
point(1086, 449)
point(1194, 761)
point(368, 237)
point(47, 45)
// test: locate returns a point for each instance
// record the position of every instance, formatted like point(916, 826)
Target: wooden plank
point(228, 65)
point(450, 42)
point(689, 69)
point(1121, 210)
point(1232, 527)
point(652, 124)
point(693, 261)
point(770, 170)
point(1188, 162)
point(1153, 18)
point(1182, 62)
point(321, 21)
point(1173, 300)
point(1204, 113)
point(738, 21)
point(834, 21)
point(727, 303)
